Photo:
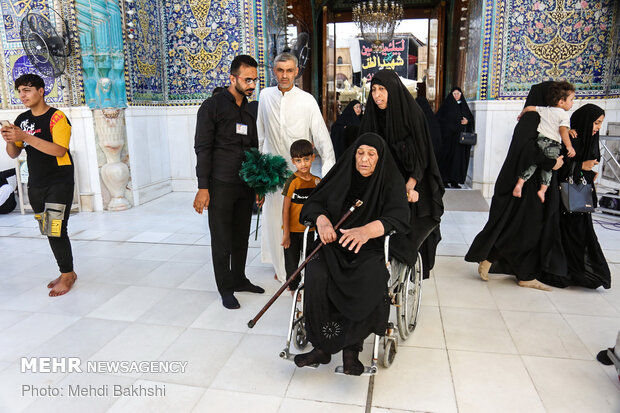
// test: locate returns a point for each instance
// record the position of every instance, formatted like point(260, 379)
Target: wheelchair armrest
point(386, 246)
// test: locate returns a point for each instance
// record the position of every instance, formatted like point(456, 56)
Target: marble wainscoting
point(147, 144)
point(495, 122)
point(161, 147)
point(9, 114)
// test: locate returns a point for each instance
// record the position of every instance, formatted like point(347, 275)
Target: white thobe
point(283, 119)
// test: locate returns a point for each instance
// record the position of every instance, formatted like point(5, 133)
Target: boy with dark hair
point(224, 130)
point(296, 190)
point(45, 132)
point(552, 132)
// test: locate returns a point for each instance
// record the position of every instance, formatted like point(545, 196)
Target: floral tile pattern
point(17, 63)
point(530, 41)
point(182, 49)
point(144, 55)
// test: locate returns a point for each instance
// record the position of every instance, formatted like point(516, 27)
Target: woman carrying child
point(510, 242)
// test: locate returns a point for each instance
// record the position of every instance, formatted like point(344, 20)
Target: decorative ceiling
point(347, 5)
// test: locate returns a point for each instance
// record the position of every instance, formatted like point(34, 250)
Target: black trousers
point(230, 214)
point(58, 194)
point(293, 253)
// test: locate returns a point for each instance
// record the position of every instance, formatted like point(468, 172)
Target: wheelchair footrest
point(368, 370)
point(286, 355)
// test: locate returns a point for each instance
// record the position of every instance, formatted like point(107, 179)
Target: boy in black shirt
point(45, 133)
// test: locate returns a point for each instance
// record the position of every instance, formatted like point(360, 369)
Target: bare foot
point(54, 282)
point(534, 284)
point(516, 192)
point(483, 269)
point(62, 284)
point(541, 195)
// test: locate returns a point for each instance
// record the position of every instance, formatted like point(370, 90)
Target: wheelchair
point(405, 292)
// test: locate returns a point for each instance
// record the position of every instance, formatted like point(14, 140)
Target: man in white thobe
point(286, 114)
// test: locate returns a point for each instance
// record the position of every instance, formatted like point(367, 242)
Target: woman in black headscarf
point(392, 112)
point(510, 242)
point(433, 123)
point(344, 130)
point(581, 260)
point(346, 282)
point(454, 117)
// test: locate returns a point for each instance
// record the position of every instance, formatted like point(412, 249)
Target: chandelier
point(377, 20)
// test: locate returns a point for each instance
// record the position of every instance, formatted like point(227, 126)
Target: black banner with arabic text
point(394, 55)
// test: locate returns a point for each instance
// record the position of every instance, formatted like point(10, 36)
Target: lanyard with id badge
point(242, 129)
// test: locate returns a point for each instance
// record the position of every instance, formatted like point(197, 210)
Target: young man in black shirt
point(45, 133)
point(224, 130)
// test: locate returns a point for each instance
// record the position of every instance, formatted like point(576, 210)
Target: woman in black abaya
point(454, 117)
point(431, 119)
point(344, 130)
point(346, 282)
point(510, 242)
point(392, 113)
point(585, 264)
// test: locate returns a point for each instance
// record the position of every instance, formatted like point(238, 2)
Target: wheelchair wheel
point(389, 352)
point(300, 339)
point(409, 297)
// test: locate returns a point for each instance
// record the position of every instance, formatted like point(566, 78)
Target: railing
point(611, 164)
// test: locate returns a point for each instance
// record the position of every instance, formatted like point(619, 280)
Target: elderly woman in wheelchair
point(346, 283)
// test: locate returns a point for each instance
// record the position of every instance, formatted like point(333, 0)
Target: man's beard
point(244, 92)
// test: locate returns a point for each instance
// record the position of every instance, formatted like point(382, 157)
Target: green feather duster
point(264, 172)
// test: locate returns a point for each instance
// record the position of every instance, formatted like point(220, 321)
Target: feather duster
point(264, 172)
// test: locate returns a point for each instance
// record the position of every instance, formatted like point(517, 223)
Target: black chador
point(578, 259)
point(511, 237)
point(344, 130)
point(453, 158)
point(403, 126)
point(346, 292)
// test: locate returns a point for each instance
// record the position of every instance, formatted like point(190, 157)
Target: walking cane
point(253, 321)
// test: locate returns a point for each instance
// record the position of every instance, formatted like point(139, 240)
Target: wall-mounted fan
point(46, 39)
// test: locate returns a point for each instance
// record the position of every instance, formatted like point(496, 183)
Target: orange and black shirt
point(52, 126)
point(298, 190)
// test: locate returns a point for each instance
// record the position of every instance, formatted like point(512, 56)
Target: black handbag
point(577, 196)
point(468, 138)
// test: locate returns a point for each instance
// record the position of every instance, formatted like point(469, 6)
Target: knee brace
point(50, 220)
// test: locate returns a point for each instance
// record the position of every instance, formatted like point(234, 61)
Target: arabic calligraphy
point(393, 56)
point(393, 46)
point(386, 63)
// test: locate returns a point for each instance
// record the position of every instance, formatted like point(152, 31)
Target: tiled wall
point(16, 63)
point(182, 49)
point(528, 41)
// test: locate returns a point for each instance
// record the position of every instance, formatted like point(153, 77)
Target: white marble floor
point(146, 293)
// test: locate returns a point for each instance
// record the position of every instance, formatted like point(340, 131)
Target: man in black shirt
point(224, 130)
point(44, 132)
